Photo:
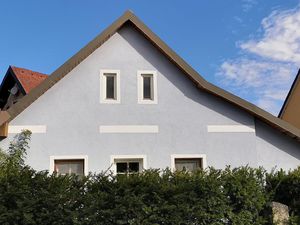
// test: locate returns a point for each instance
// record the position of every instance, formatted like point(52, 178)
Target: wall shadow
point(174, 75)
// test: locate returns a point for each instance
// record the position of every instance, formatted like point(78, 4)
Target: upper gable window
point(110, 86)
point(147, 87)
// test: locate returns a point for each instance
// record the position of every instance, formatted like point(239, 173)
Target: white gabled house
point(127, 102)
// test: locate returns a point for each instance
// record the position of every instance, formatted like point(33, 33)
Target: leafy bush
point(204, 197)
point(230, 196)
point(285, 187)
point(13, 160)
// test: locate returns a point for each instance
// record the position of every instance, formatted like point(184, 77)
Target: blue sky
point(248, 47)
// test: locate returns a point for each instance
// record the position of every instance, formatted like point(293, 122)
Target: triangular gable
point(25, 80)
point(290, 95)
point(291, 106)
point(200, 82)
point(10, 77)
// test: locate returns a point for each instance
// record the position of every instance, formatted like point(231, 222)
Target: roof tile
point(28, 78)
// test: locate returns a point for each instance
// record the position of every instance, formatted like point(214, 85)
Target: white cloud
point(281, 38)
point(247, 5)
point(269, 64)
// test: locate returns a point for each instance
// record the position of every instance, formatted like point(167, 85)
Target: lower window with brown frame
point(188, 164)
point(69, 166)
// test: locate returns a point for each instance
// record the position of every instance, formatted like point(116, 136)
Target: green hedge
point(285, 187)
point(204, 197)
point(231, 196)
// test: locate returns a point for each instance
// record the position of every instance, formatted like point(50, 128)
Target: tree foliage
point(285, 186)
point(13, 160)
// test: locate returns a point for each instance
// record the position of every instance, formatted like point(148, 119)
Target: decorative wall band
point(33, 128)
point(129, 129)
point(230, 129)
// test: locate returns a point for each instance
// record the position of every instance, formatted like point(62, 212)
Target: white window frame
point(188, 156)
point(69, 157)
point(140, 88)
point(127, 158)
point(103, 98)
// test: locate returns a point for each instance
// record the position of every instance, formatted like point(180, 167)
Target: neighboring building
point(16, 83)
point(290, 110)
point(127, 102)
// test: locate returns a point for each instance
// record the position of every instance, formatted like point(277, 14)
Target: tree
point(13, 159)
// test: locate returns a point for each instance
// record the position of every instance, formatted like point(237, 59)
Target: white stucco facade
point(70, 119)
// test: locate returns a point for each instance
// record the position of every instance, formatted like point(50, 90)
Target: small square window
point(64, 167)
point(128, 164)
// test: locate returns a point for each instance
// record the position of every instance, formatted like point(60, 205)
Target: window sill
point(147, 102)
point(108, 101)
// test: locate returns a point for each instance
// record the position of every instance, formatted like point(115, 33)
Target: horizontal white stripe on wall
point(230, 129)
point(33, 128)
point(129, 129)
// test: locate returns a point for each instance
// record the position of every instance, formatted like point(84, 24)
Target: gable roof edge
point(11, 72)
point(69, 65)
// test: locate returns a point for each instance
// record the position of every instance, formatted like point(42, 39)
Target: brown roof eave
point(4, 117)
point(69, 65)
point(257, 112)
point(167, 51)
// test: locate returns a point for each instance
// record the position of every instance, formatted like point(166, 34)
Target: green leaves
point(285, 188)
point(152, 197)
point(13, 160)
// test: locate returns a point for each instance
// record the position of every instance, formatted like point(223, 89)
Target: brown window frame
point(200, 161)
point(68, 161)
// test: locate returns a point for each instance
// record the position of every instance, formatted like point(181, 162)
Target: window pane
point(122, 167)
point(147, 87)
point(188, 164)
point(69, 167)
point(110, 86)
point(62, 168)
point(76, 168)
point(134, 167)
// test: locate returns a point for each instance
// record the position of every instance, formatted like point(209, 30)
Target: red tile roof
point(29, 79)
